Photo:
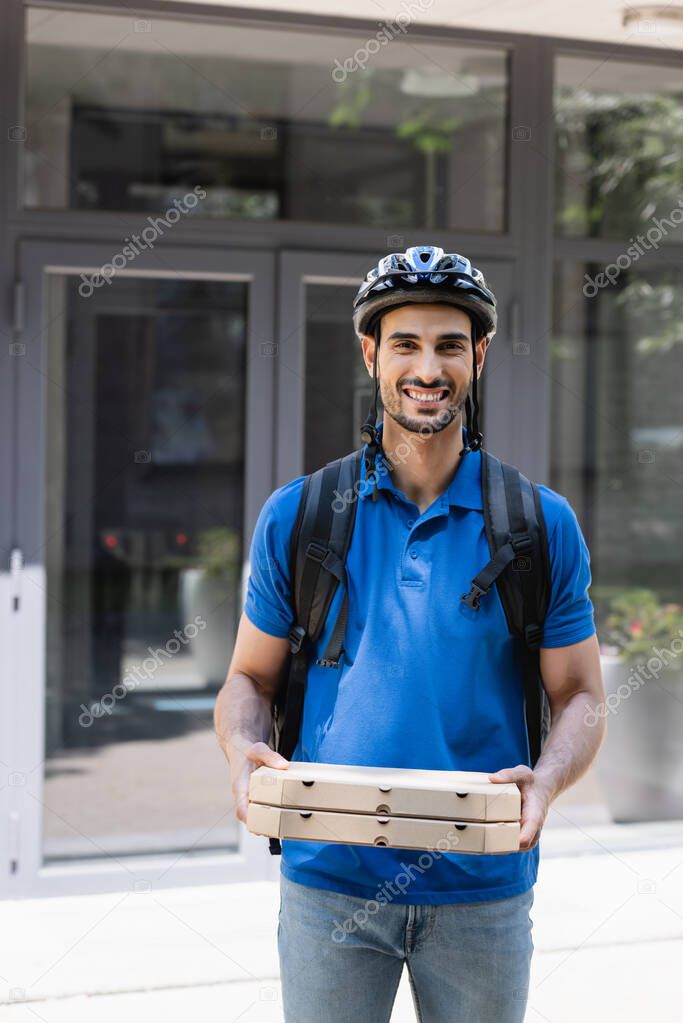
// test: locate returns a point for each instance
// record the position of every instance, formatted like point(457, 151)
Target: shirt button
point(410, 522)
point(413, 553)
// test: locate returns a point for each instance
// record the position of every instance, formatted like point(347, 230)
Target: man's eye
point(457, 345)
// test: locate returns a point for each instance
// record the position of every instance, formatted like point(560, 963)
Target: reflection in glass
point(338, 388)
point(617, 437)
point(619, 136)
point(271, 123)
point(145, 471)
point(617, 455)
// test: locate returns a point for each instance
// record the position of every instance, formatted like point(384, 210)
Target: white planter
point(213, 599)
point(640, 765)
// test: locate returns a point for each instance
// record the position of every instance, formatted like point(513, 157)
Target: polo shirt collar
point(464, 490)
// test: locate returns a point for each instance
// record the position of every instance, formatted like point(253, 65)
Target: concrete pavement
point(608, 933)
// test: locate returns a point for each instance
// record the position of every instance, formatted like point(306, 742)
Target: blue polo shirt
point(426, 681)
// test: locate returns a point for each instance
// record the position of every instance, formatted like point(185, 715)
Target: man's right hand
point(243, 760)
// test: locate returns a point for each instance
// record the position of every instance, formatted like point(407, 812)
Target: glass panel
point(145, 479)
point(338, 386)
point(619, 136)
point(617, 449)
point(132, 114)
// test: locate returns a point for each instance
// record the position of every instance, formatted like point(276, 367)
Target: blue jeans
point(341, 957)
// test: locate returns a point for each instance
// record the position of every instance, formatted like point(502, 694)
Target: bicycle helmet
point(423, 273)
point(420, 274)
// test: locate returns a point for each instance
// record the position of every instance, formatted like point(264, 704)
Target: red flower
point(635, 629)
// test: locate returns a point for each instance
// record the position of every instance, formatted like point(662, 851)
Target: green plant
point(635, 620)
point(429, 131)
point(622, 149)
point(353, 99)
point(659, 305)
point(218, 551)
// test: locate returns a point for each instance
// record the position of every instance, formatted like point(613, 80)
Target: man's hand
point(245, 758)
point(535, 802)
point(572, 678)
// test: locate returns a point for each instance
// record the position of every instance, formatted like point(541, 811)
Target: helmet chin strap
point(474, 436)
point(369, 434)
point(368, 431)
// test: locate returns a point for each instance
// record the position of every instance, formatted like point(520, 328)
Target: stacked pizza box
point(450, 811)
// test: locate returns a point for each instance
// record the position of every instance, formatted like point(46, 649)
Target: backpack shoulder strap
point(319, 549)
point(520, 568)
point(319, 544)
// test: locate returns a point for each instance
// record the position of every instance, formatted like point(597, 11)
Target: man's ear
point(368, 346)
point(481, 348)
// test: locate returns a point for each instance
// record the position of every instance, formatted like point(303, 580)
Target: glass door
point(143, 458)
point(323, 387)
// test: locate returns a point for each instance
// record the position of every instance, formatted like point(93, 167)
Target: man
point(426, 681)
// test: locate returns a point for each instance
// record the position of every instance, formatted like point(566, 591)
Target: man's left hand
point(535, 802)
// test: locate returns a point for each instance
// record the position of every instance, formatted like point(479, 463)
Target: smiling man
point(426, 680)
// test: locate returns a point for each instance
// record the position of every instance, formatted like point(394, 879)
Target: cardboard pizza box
point(429, 834)
point(387, 791)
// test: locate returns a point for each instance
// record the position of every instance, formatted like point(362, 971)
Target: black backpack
point(321, 537)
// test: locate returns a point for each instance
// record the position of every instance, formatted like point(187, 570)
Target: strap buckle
point(316, 551)
point(327, 662)
point(472, 598)
point(532, 635)
point(521, 542)
point(296, 637)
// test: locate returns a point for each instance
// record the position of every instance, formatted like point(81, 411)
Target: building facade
point(215, 183)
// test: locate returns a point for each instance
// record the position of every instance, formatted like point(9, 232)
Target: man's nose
point(428, 368)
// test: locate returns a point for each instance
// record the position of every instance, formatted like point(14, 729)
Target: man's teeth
point(424, 396)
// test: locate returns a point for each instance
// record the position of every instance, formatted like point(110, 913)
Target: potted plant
point(640, 765)
point(209, 593)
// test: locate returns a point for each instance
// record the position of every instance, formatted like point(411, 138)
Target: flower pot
point(640, 765)
point(212, 598)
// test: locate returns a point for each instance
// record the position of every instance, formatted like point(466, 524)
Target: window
point(130, 114)
point(617, 429)
point(619, 136)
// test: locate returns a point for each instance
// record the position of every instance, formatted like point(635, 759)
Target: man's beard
point(429, 422)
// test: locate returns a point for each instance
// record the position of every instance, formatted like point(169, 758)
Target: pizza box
point(445, 836)
point(387, 791)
